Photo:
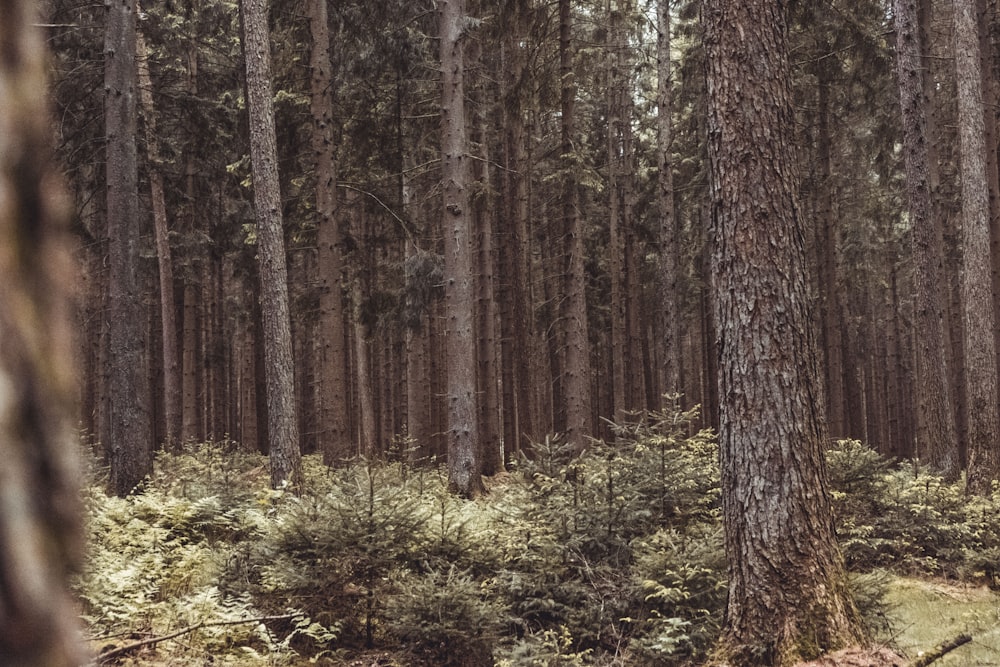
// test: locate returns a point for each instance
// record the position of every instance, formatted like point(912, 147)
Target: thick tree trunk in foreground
point(937, 437)
point(279, 372)
point(788, 597)
point(463, 428)
point(977, 298)
point(40, 537)
point(130, 453)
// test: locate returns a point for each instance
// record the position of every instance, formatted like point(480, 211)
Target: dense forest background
point(366, 289)
point(437, 243)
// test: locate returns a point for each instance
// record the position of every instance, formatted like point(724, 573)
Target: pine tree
point(788, 597)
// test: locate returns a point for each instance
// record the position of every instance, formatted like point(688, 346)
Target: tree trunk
point(130, 447)
point(616, 233)
point(986, 18)
point(670, 327)
point(977, 299)
point(334, 437)
point(168, 306)
point(517, 322)
point(937, 439)
point(279, 372)
point(829, 282)
point(788, 597)
point(576, 370)
point(40, 508)
point(464, 463)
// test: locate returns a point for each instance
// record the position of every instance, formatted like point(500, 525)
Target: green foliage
point(910, 518)
point(612, 555)
point(604, 535)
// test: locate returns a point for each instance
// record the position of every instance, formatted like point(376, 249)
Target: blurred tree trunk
point(464, 461)
point(788, 595)
point(279, 372)
point(39, 510)
point(977, 298)
point(130, 453)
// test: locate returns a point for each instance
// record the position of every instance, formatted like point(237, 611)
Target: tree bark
point(977, 299)
point(168, 305)
point(130, 452)
point(334, 436)
point(670, 327)
point(279, 375)
point(788, 597)
point(40, 535)
point(937, 438)
point(576, 369)
point(464, 463)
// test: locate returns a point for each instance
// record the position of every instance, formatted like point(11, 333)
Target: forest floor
point(927, 613)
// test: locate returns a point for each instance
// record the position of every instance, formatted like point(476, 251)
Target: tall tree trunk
point(616, 216)
point(334, 435)
point(279, 375)
point(40, 509)
point(977, 299)
point(168, 306)
point(464, 464)
point(190, 364)
point(937, 438)
point(517, 325)
point(670, 315)
point(576, 370)
point(788, 596)
point(486, 315)
point(130, 446)
point(986, 11)
point(829, 282)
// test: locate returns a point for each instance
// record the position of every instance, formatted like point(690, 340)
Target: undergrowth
point(614, 557)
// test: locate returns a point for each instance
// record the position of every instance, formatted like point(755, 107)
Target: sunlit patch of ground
point(925, 614)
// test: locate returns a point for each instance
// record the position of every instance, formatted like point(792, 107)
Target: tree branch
point(104, 656)
point(941, 650)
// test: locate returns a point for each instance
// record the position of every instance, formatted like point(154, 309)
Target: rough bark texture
point(937, 438)
point(788, 597)
point(977, 298)
point(40, 537)
point(576, 380)
point(279, 375)
point(334, 437)
point(130, 433)
point(463, 450)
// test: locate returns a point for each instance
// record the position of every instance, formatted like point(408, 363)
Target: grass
point(927, 613)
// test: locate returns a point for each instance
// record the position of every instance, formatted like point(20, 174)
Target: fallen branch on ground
point(152, 641)
point(941, 650)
